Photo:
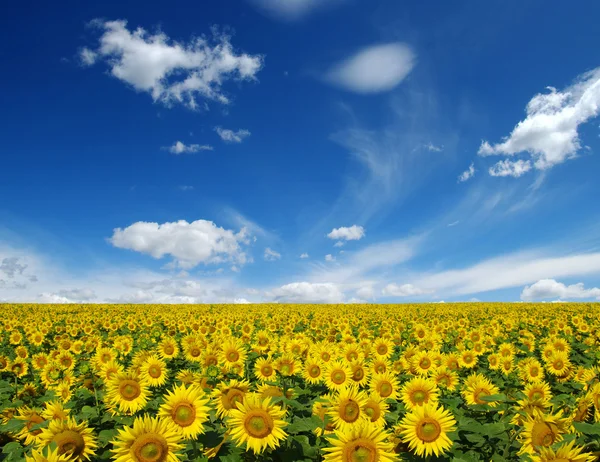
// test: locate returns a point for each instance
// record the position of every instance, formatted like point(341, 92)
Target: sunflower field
point(336, 383)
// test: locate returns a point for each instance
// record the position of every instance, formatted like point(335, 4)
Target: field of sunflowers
point(374, 383)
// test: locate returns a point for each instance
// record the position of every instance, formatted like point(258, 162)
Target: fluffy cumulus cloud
point(374, 69)
point(293, 9)
point(307, 292)
point(352, 233)
point(271, 255)
point(231, 136)
point(189, 244)
point(550, 288)
point(467, 174)
point(510, 168)
point(180, 148)
point(171, 72)
point(304, 255)
point(549, 132)
point(329, 257)
point(405, 290)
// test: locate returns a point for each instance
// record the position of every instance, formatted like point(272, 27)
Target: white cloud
point(512, 270)
point(353, 233)
point(78, 294)
point(549, 132)
point(508, 168)
point(433, 148)
point(329, 257)
point(306, 292)
point(241, 301)
point(180, 148)
point(186, 188)
point(87, 56)
point(271, 255)
point(293, 9)
point(405, 290)
point(366, 292)
point(170, 71)
point(374, 69)
point(454, 223)
point(304, 255)
point(467, 174)
point(339, 244)
point(230, 136)
point(550, 288)
point(11, 266)
point(188, 243)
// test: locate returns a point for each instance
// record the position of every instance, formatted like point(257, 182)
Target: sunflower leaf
point(586, 428)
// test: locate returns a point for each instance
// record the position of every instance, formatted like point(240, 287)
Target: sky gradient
point(327, 151)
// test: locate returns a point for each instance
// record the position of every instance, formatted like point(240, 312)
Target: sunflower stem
point(195, 452)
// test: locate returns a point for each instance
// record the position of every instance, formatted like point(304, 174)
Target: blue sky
point(300, 151)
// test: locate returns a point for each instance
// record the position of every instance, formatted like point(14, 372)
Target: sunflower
point(383, 348)
point(476, 387)
point(149, 440)
point(63, 389)
point(337, 375)
point(347, 408)
point(31, 417)
point(168, 348)
point(38, 361)
point(558, 364)
point(154, 371)
point(385, 385)
point(567, 452)
point(128, 392)
point(422, 363)
point(538, 392)
point(375, 408)
point(286, 365)
point(72, 439)
point(365, 442)
point(55, 410)
point(227, 395)
point(542, 431)
point(4, 363)
point(468, 359)
point(452, 361)
point(583, 410)
point(104, 355)
point(257, 423)
point(360, 374)
point(186, 408)
point(418, 392)
point(319, 409)
point(445, 378)
point(47, 455)
point(193, 352)
point(232, 352)
point(531, 370)
point(380, 366)
point(110, 369)
point(264, 369)
point(426, 429)
point(313, 371)
point(18, 367)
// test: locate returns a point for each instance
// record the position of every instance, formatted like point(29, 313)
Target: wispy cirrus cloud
point(181, 148)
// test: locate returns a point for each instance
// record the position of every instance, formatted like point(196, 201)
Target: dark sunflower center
point(69, 442)
point(258, 424)
point(169, 349)
point(233, 356)
point(184, 414)
point(373, 411)
point(314, 371)
point(385, 389)
point(425, 363)
point(338, 377)
point(542, 435)
point(361, 450)
point(154, 372)
point(233, 397)
point(150, 448)
point(195, 352)
point(428, 430)
point(358, 374)
point(129, 390)
point(350, 411)
point(382, 349)
point(419, 396)
point(478, 394)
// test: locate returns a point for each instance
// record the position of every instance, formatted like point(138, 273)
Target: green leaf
point(304, 424)
point(12, 448)
point(13, 425)
point(490, 398)
point(106, 436)
point(492, 429)
point(210, 439)
point(307, 449)
point(587, 429)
